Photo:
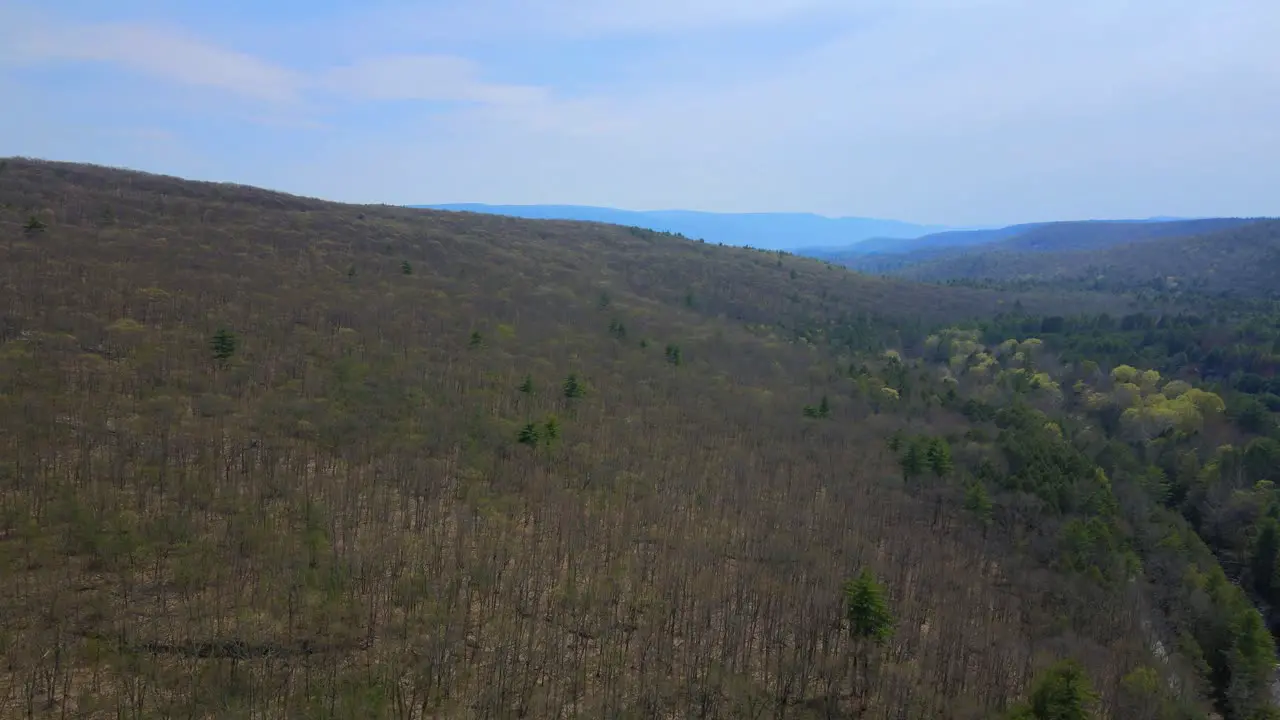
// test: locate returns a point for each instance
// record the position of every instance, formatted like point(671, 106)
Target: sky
point(960, 112)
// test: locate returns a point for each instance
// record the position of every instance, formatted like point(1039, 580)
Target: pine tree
point(528, 435)
point(223, 345)
point(866, 608)
point(476, 340)
point(1063, 692)
point(406, 268)
point(673, 354)
point(573, 387)
point(939, 458)
point(551, 430)
point(895, 441)
point(1263, 563)
point(824, 408)
point(913, 461)
point(978, 502)
point(526, 387)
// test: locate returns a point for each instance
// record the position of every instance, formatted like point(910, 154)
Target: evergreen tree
point(1251, 661)
point(978, 502)
point(913, 461)
point(824, 408)
point(1263, 562)
point(573, 388)
point(673, 354)
point(406, 268)
point(223, 345)
point(1063, 692)
point(528, 435)
point(551, 430)
point(938, 457)
point(526, 387)
point(895, 441)
point(476, 340)
point(866, 609)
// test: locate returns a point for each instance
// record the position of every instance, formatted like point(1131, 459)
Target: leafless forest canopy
point(267, 456)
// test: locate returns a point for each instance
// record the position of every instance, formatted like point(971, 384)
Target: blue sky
point(937, 111)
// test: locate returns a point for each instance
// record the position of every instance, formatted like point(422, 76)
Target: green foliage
point(529, 435)
point(1265, 554)
point(223, 344)
point(573, 387)
point(819, 412)
point(405, 267)
point(1062, 692)
point(34, 225)
point(938, 457)
point(617, 329)
point(476, 340)
point(673, 354)
point(866, 609)
point(526, 386)
point(551, 430)
point(978, 502)
point(913, 461)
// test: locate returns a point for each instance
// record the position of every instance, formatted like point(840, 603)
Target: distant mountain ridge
point(1241, 259)
point(897, 256)
point(768, 231)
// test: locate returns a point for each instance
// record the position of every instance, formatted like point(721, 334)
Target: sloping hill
point(894, 256)
point(768, 231)
point(930, 242)
point(268, 455)
point(1241, 261)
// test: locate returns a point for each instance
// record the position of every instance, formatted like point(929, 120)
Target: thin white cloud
point(163, 52)
point(424, 77)
point(933, 110)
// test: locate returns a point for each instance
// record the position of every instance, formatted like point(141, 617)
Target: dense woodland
point(1236, 258)
point(267, 456)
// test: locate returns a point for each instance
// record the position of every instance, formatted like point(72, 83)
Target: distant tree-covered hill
point(769, 231)
point(1063, 236)
point(1243, 260)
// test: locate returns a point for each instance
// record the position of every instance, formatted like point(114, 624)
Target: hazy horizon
point(965, 113)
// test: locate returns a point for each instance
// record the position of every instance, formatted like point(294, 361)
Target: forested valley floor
point(268, 456)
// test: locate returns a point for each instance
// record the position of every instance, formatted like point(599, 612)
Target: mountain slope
point(886, 257)
point(267, 455)
point(769, 231)
point(1242, 261)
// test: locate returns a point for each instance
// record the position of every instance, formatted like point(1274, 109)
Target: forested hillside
point(268, 456)
point(1243, 260)
point(768, 231)
point(1038, 237)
